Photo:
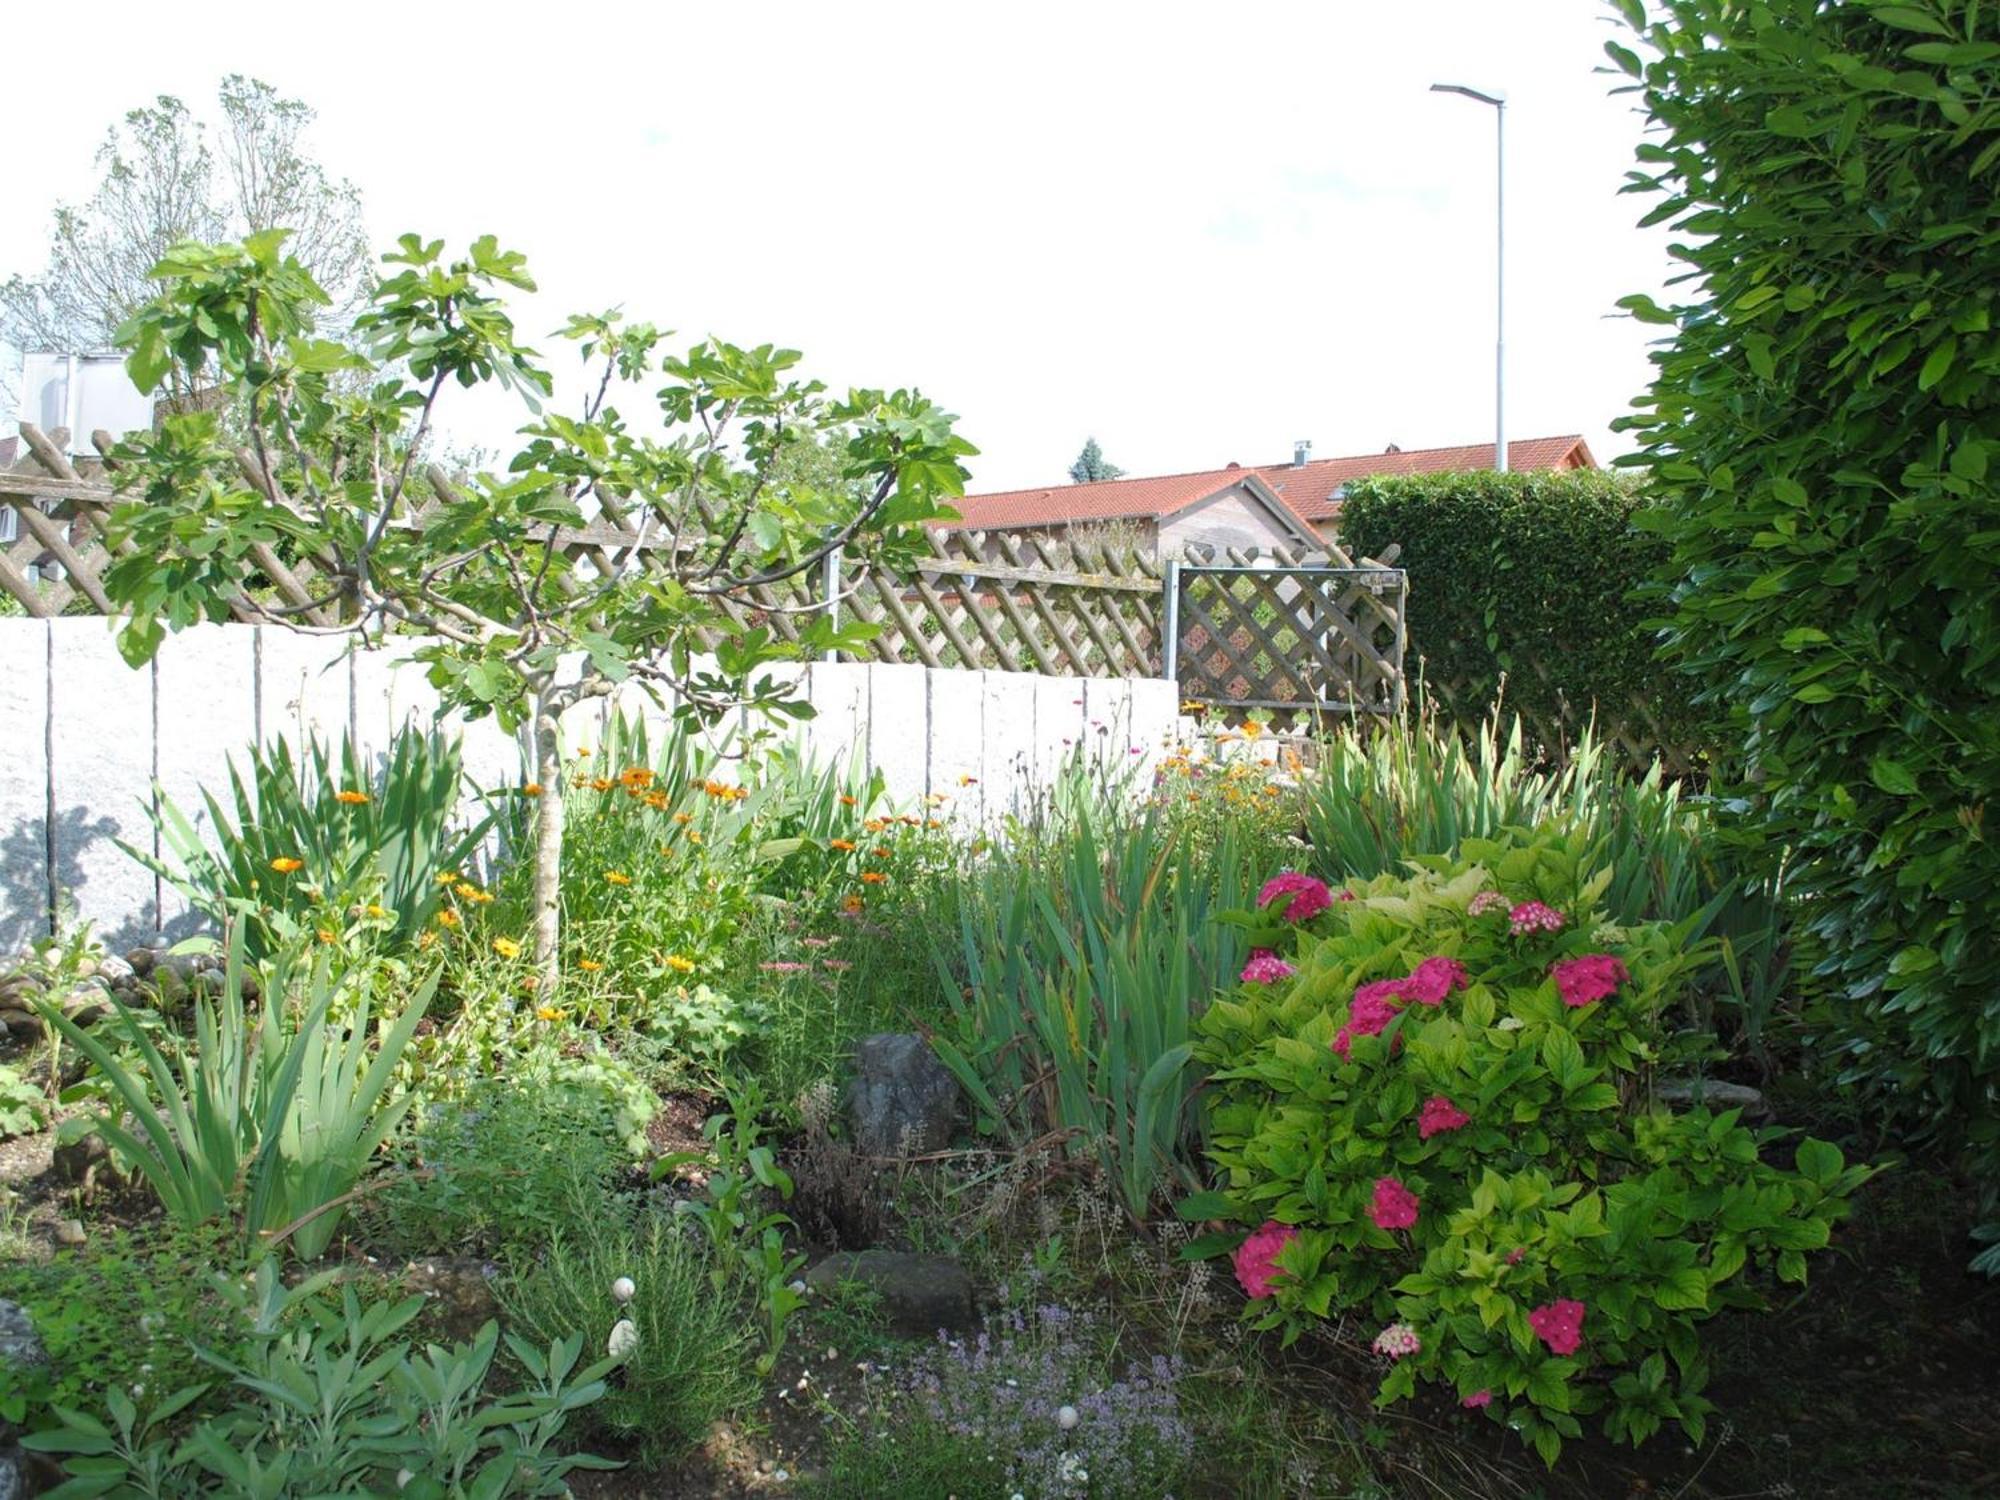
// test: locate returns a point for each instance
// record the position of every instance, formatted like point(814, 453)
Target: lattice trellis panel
point(1295, 640)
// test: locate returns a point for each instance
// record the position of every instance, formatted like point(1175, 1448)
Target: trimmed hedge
point(1528, 576)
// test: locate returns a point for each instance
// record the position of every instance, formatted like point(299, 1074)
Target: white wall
point(83, 738)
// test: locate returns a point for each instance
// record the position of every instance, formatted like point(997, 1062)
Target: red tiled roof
point(1307, 490)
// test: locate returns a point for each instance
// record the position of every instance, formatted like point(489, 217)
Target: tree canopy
point(1091, 465)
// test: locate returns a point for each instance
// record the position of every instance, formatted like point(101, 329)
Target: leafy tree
point(509, 625)
point(1821, 435)
point(1090, 465)
point(166, 179)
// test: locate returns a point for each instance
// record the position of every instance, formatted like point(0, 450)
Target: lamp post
point(1499, 103)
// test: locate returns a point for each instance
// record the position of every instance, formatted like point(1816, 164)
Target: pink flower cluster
point(1484, 902)
point(1265, 967)
point(1559, 1324)
point(1477, 1399)
point(1394, 1206)
point(1309, 896)
point(1256, 1258)
point(1533, 916)
point(1438, 1115)
point(1592, 977)
point(1397, 1340)
point(1375, 1003)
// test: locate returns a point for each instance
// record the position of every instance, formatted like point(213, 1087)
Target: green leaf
point(1892, 777)
point(1938, 364)
point(1910, 18)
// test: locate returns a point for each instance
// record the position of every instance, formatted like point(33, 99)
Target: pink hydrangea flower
point(1484, 902)
point(1265, 967)
point(1532, 916)
point(1370, 1014)
point(1591, 977)
point(1559, 1324)
point(1394, 1206)
point(1518, 1254)
point(1309, 895)
point(1477, 1399)
point(1439, 1114)
point(1397, 1340)
point(1256, 1258)
point(1432, 980)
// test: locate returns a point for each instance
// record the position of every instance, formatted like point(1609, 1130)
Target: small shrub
point(122, 1313)
point(1036, 1404)
point(1442, 1122)
point(24, 1108)
point(501, 1166)
point(328, 1402)
point(691, 1363)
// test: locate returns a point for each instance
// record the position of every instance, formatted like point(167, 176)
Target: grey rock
point(72, 1161)
point(902, 1100)
point(1713, 1092)
point(71, 1232)
point(920, 1293)
point(112, 968)
point(22, 1025)
point(21, 1347)
point(87, 1006)
point(141, 960)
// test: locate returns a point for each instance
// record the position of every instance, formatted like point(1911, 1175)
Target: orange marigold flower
point(532, 789)
point(851, 905)
point(530, 983)
point(637, 776)
point(284, 864)
point(873, 877)
point(617, 877)
point(683, 818)
point(506, 947)
point(693, 837)
point(876, 825)
point(881, 851)
point(447, 918)
point(328, 935)
point(583, 752)
point(846, 846)
point(932, 823)
point(657, 801)
point(600, 783)
point(680, 965)
point(589, 965)
point(847, 801)
point(350, 797)
point(427, 939)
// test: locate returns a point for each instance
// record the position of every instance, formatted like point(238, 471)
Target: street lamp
point(1499, 103)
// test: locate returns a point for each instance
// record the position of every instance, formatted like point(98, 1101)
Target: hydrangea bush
point(1431, 1102)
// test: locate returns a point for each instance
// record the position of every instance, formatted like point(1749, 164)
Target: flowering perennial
point(1309, 896)
point(1265, 967)
point(1397, 1340)
point(1533, 916)
point(1438, 1115)
point(1393, 1206)
point(1257, 1257)
point(1559, 1324)
point(1592, 977)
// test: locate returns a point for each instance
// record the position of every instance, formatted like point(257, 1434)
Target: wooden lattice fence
point(1016, 602)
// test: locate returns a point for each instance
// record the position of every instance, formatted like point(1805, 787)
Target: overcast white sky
point(1197, 231)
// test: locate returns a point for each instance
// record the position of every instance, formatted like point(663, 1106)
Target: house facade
point(1291, 505)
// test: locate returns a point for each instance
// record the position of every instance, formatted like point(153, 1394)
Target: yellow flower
point(589, 965)
point(447, 918)
point(876, 825)
point(851, 905)
point(680, 965)
point(683, 818)
point(427, 939)
point(547, 1013)
point(1251, 729)
point(845, 846)
point(350, 797)
point(968, 781)
point(657, 801)
point(582, 752)
point(506, 947)
point(532, 789)
point(377, 912)
point(932, 823)
point(328, 935)
point(600, 783)
point(694, 838)
point(636, 776)
point(284, 864)
point(617, 877)
point(447, 877)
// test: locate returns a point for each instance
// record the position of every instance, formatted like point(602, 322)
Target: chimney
point(1302, 450)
